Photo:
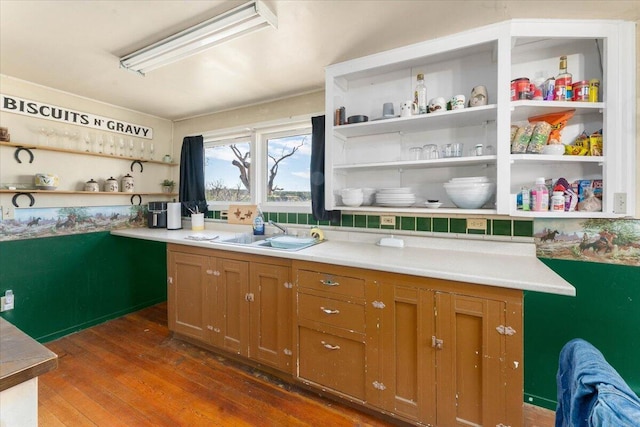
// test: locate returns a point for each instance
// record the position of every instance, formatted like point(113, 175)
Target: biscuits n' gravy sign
point(26, 107)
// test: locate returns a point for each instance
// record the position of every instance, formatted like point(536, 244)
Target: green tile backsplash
point(495, 227)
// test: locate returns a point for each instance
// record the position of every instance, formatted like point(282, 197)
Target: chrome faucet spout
point(275, 224)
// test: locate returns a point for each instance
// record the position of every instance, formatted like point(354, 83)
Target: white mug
point(457, 102)
point(478, 96)
point(408, 109)
point(437, 104)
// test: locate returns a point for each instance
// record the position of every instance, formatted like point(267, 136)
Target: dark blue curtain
point(192, 175)
point(317, 173)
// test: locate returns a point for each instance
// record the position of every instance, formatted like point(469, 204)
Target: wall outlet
point(620, 203)
point(7, 212)
point(477, 224)
point(7, 301)
point(388, 220)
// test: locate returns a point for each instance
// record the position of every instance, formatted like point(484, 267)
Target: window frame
point(258, 135)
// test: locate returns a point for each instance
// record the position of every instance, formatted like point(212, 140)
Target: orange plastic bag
point(557, 121)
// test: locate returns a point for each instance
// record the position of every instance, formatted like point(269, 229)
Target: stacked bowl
point(353, 197)
point(470, 192)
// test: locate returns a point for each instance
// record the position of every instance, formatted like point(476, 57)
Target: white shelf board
point(551, 214)
point(473, 116)
point(416, 209)
point(535, 158)
point(522, 110)
point(422, 164)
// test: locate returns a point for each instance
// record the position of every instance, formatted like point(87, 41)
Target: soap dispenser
point(258, 224)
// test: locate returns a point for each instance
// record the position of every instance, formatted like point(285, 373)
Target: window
point(268, 165)
point(287, 171)
point(227, 170)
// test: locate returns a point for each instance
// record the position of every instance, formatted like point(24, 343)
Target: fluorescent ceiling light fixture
point(248, 17)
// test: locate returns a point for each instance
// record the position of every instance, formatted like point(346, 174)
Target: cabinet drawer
point(331, 361)
point(340, 285)
point(333, 312)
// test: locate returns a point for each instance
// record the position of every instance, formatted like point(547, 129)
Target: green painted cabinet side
point(68, 283)
point(605, 312)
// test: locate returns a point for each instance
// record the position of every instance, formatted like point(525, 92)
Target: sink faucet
point(275, 224)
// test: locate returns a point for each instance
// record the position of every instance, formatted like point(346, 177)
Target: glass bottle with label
point(420, 95)
point(563, 82)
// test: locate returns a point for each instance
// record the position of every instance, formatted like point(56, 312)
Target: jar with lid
point(111, 185)
point(557, 201)
point(127, 184)
point(91, 185)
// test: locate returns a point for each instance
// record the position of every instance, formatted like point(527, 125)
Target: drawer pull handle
point(329, 346)
point(329, 311)
point(329, 283)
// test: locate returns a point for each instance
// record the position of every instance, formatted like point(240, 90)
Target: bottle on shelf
point(420, 95)
point(563, 84)
point(539, 196)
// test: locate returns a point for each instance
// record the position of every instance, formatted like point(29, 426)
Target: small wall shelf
point(85, 153)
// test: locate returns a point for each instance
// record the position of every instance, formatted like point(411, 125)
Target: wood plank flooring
point(131, 372)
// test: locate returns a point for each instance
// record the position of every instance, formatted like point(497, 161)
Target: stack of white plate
point(395, 197)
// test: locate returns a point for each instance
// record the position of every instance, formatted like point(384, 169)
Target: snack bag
point(521, 139)
point(557, 121)
point(595, 144)
point(539, 138)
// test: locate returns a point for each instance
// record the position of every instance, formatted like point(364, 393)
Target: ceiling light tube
point(248, 17)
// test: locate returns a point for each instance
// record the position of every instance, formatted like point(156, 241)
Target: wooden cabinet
point(427, 351)
point(236, 302)
point(331, 328)
point(188, 293)
point(377, 153)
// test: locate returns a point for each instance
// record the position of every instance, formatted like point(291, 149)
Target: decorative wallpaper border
point(613, 241)
point(594, 240)
point(34, 223)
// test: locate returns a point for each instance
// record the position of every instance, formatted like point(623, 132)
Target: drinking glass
point(151, 150)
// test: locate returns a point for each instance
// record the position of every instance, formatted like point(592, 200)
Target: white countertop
point(511, 265)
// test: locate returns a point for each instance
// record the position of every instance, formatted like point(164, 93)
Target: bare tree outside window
point(228, 170)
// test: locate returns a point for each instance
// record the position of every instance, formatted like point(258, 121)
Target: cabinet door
point(231, 310)
point(407, 385)
point(189, 281)
point(270, 301)
point(470, 361)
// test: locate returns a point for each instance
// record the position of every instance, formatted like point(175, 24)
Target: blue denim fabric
point(590, 392)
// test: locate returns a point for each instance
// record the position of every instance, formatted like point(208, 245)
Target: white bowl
point(553, 149)
point(352, 202)
point(46, 181)
point(433, 205)
point(351, 192)
point(468, 179)
point(470, 196)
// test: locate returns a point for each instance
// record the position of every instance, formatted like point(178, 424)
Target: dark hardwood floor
point(131, 372)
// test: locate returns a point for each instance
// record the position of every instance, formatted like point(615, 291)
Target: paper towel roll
point(174, 216)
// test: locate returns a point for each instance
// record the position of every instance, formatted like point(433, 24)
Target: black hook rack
point(138, 162)
point(14, 199)
point(16, 154)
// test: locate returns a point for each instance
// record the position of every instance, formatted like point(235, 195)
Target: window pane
point(287, 178)
point(227, 172)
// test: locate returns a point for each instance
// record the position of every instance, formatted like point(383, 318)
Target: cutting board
point(242, 214)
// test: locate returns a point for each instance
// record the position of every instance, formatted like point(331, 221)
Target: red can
point(520, 88)
point(581, 91)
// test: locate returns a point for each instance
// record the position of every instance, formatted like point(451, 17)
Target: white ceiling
point(74, 46)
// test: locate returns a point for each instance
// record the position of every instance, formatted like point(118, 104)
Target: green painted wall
point(64, 284)
point(605, 312)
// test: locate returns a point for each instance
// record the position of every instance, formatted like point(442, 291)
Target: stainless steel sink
point(245, 239)
point(264, 242)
